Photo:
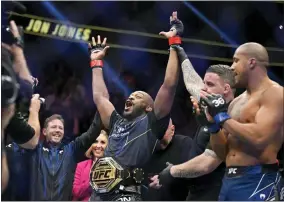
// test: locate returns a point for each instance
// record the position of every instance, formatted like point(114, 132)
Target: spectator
point(81, 185)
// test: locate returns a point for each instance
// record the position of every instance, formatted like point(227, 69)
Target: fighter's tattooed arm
point(198, 166)
point(192, 80)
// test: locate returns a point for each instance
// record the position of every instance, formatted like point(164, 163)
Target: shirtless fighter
point(249, 135)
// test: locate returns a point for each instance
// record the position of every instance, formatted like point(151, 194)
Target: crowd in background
point(60, 106)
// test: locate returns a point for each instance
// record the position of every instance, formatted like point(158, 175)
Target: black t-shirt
point(200, 143)
point(132, 143)
point(177, 152)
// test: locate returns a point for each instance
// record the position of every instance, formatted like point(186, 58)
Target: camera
point(16, 91)
point(23, 105)
point(10, 86)
point(9, 81)
point(7, 36)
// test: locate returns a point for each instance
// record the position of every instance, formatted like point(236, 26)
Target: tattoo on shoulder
point(192, 80)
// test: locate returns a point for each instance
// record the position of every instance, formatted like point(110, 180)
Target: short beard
point(135, 113)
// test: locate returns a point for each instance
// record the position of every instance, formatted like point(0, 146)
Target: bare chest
point(245, 108)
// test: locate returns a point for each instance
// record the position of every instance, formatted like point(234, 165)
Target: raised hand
point(35, 103)
point(97, 50)
point(14, 29)
point(176, 27)
point(18, 43)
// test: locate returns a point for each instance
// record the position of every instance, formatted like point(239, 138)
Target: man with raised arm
point(249, 134)
point(203, 164)
point(133, 135)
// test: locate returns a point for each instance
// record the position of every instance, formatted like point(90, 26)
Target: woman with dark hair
point(81, 185)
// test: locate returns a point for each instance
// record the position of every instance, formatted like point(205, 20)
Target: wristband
point(221, 117)
point(175, 40)
point(214, 128)
point(96, 64)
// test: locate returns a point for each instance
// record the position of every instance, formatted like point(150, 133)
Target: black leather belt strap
point(132, 176)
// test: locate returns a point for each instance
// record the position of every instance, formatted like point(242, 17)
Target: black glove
point(96, 48)
point(217, 107)
point(178, 26)
point(180, 52)
point(93, 49)
point(165, 176)
point(201, 118)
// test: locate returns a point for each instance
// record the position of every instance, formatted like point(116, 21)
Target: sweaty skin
point(245, 110)
point(254, 135)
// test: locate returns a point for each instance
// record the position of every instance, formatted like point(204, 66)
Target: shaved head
point(147, 98)
point(255, 50)
point(138, 103)
point(249, 60)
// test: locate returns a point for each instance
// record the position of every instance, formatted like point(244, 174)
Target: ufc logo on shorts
point(232, 170)
point(219, 101)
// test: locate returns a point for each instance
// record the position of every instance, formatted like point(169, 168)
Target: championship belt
point(104, 175)
point(107, 173)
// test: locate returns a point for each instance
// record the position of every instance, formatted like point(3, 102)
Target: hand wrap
point(217, 108)
point(165, 176)
point(96, 63)
point(178, 26)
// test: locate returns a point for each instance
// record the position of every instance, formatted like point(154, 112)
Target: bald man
point(249, 134)
point(133, 135)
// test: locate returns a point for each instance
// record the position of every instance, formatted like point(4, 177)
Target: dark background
point(65, 77)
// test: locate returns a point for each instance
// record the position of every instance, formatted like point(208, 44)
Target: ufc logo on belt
point(232, 171)
point(102, 174)
point(219, 101)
